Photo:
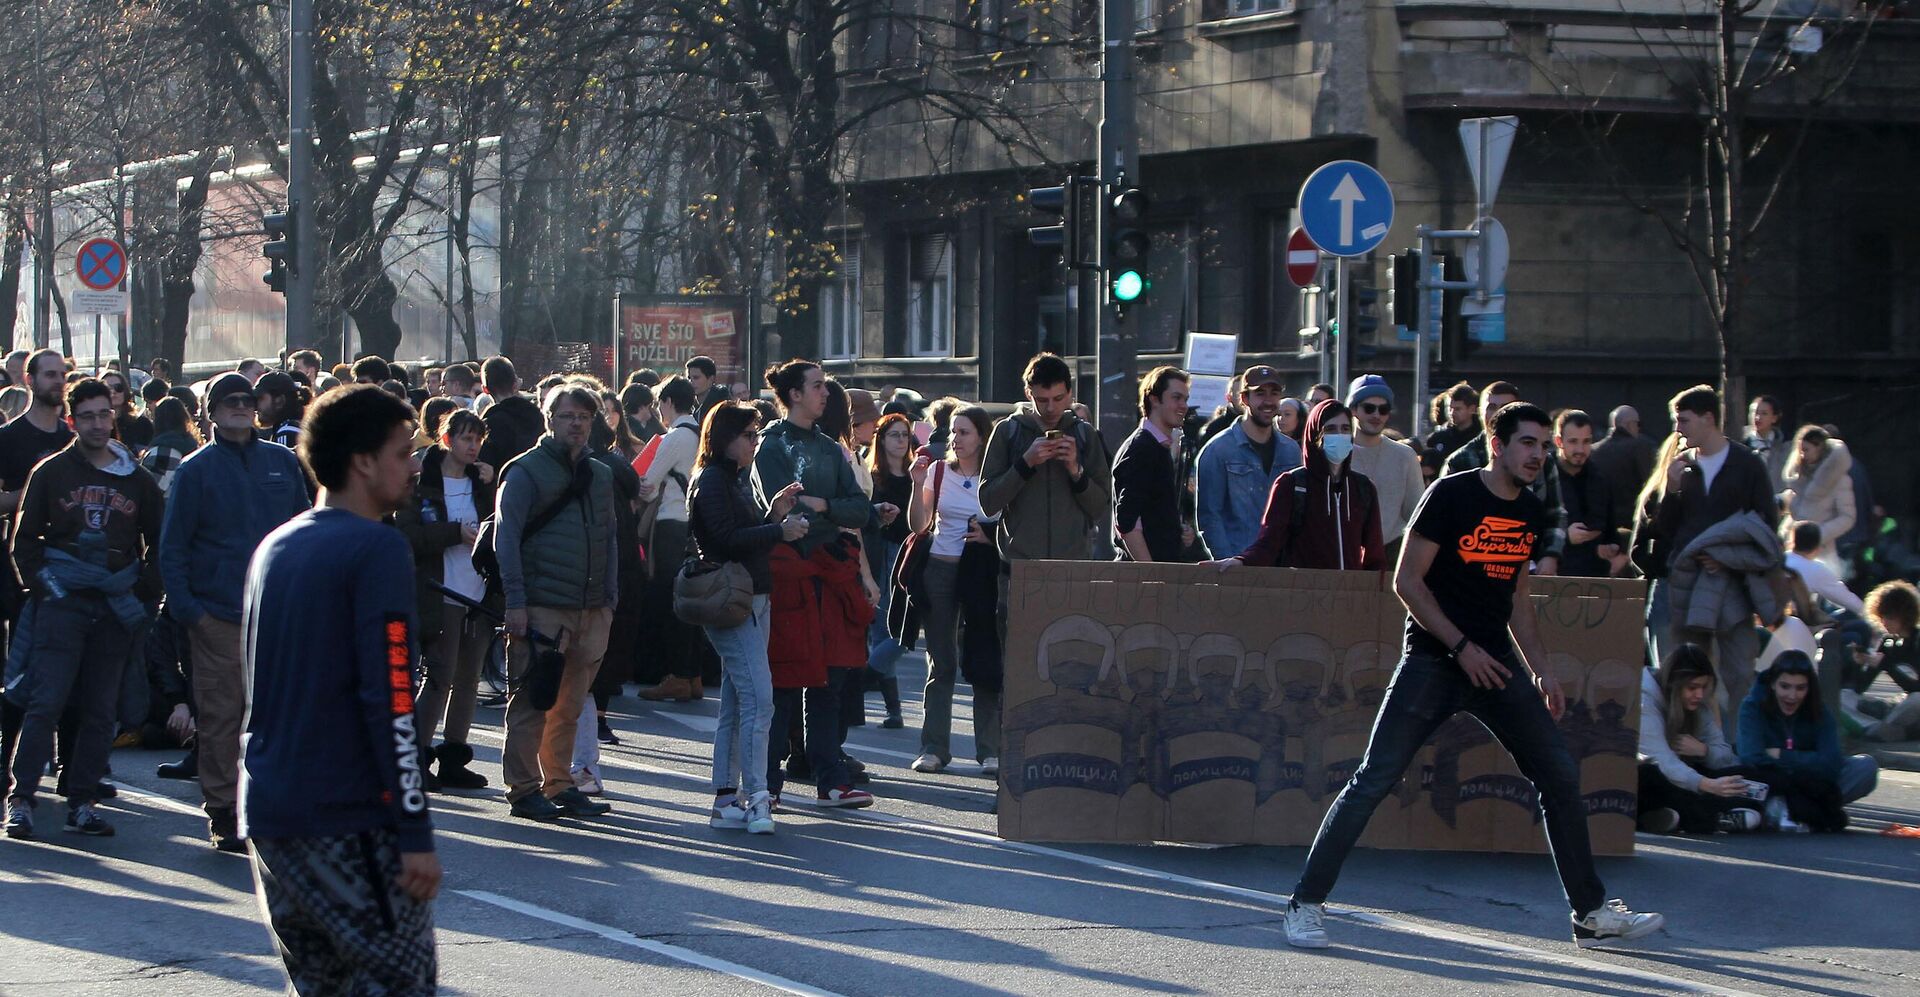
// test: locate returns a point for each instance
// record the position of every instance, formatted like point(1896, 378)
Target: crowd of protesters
point(193, 567)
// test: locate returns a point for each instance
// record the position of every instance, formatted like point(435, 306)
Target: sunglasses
point(241, 401)
point(1370, 408)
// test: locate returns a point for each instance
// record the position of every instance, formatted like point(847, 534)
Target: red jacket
point(1341, 527)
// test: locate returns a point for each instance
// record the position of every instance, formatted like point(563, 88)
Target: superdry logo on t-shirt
point(1500, 546)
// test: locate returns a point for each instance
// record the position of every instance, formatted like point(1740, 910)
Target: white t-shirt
point(1710, 466)
point(456, 566)
point(959, 502)
point(1821, 581)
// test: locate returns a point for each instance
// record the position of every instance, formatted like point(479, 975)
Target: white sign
point(1206, 393)
point(1488, 141)
point(1492, 242)
point(97, 303)
point(1213, 353)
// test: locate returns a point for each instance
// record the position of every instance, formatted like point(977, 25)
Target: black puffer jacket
point(726, 524)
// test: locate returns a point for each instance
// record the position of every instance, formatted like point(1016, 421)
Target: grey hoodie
point(1046, 516)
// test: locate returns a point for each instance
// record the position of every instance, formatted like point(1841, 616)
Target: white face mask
point(1336, 446)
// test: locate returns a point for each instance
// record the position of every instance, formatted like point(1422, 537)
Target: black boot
point(223, 827)
point(890, 691)
point(188, 767)
point(453, 772)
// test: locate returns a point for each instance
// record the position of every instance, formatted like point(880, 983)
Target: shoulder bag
point(711, 593)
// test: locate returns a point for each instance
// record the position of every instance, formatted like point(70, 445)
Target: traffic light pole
point(302, 274)
point(1432, 290)
point(1114, 403)
point(1337, 349)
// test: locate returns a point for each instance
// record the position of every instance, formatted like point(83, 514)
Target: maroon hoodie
point(1341, 528)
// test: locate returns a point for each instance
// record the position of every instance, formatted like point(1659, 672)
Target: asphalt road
point(918, 897)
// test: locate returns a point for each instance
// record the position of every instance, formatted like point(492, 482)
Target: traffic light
point(279, 248)
point(1403, 290)
point(1128, 245)
point(1365, 301)
point(1069, 235)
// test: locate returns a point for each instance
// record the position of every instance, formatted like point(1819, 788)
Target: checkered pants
point(341, 923)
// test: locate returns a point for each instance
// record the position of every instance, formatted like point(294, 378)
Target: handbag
point(910, 565)
point(712, 594)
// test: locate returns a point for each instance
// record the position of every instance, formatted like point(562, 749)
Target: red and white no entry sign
point(1303, 259)
point(100, 264)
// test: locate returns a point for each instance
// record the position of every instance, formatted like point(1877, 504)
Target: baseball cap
point(1260, 374)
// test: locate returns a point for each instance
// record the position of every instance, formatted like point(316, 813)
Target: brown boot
point(673, 687)
point(699, 688)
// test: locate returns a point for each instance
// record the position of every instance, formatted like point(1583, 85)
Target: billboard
point(664, 332)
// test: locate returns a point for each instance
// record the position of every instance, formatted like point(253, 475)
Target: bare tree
point(1754, 77)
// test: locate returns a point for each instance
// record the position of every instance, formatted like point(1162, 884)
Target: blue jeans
point(746, 703)
point(1425, 693)
point(1659, 634)
point(883, 652)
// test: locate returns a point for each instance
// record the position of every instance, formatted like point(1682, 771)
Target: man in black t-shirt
point(41, 430)
point(1472, 644)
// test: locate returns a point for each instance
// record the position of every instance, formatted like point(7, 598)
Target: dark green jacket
point(811, 457)
point(573, 562)
point(423, 519)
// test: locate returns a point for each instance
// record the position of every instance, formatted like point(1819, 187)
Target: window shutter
point(930, 258)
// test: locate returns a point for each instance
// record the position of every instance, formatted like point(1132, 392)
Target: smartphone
point(1055, 434)
point(1756, 791)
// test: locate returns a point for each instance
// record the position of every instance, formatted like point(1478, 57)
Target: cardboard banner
point(664, 333)
point(1161, 702)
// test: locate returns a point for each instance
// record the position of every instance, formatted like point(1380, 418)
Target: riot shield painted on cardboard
point(1153, 702)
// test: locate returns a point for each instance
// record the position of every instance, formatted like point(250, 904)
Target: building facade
point(1241, 99)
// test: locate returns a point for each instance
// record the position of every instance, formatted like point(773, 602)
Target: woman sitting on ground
point(1689, 780)
point(1791, 741)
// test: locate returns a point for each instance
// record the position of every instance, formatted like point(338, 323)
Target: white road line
point(1277, 900)
point(158, 800)
point(632, 940)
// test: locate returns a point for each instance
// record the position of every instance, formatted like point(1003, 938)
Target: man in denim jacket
point(1237, 468)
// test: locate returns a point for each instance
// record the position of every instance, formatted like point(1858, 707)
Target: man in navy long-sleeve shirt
point(331, 791)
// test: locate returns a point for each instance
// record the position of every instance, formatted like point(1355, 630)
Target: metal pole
point(1119, 153)
point(1338, 344)
point(1422, 351)
point(1480, 209)
point(96, 342)
point(303, 275)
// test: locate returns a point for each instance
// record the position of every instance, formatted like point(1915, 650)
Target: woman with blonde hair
point(1648, 554)
point(1818, 488)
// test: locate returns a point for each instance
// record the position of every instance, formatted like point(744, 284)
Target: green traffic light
point(1128, 285)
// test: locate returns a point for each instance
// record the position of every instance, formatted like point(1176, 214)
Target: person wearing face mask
point(1323, 515)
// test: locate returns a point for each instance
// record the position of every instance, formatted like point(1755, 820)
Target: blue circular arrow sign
point(1346, 208)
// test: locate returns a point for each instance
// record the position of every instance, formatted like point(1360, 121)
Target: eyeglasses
point(241, 401)
point(1370, 408)
point(899, 434)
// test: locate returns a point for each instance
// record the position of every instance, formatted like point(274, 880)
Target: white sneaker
point(1306, 925)
point(587, 781)
point(928, 762)
point(732, 817)
point(1613, 921)
point(990, 765)
point(760, 814)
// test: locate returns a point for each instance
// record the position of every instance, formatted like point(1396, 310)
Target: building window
point(998, 24)
point(1146, 15)
point(1219, 10)
point(840, 307)
point(882, 34)
point(930, 295)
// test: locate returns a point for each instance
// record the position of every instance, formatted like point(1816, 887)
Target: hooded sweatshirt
point(106, 517)
point(1341, 530)
point(1045, 515)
